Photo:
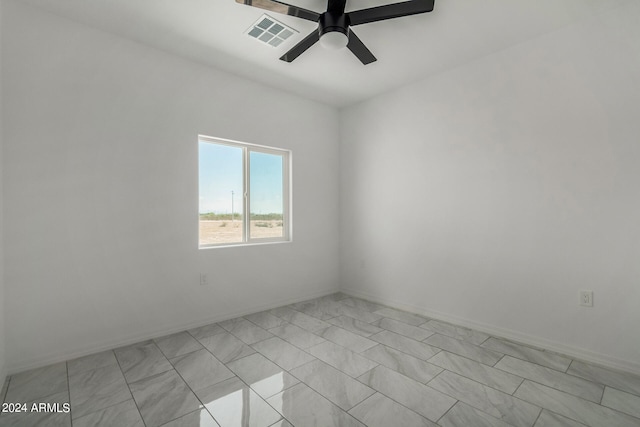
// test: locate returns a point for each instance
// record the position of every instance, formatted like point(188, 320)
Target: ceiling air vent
point(270, 31)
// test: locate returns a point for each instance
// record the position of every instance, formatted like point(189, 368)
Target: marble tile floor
point(330, 361)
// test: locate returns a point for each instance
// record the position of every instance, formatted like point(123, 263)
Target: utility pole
point(233, 217)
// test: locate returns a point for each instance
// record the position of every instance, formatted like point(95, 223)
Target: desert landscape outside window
point(238, 178)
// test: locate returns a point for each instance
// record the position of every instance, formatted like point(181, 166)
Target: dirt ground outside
point(227, 231)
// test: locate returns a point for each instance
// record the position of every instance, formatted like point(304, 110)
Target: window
point(236, 178)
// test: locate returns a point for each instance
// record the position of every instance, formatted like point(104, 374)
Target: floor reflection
point(232, 403)
point(270, 385)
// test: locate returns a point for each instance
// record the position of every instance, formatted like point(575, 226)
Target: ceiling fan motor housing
point(330, 22)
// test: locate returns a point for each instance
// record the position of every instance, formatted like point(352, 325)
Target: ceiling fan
point(334, 30)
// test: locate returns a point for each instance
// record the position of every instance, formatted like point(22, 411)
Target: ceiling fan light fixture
point(334, 40)
point(333, 30)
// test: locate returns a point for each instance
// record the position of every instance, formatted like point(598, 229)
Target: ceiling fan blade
point(336, 6)
point(390, 11)
point(301, 47)
point(358, 48)
point(284, 8)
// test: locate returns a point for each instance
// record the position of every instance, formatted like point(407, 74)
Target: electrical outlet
point(203, 279)
point(586, 298)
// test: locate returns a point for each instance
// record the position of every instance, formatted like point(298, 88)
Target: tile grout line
point(194, 395)
point(464, 376)
point(417, 358)
point(66, 367)
point(260, 326)
point(94, 369)
point(555, 388)
point(236, 376)
point(399, 403)
point(135, 402)
point(574, 396)
point(486, 339)
point(263, 399)
point(538, 417)
point(529, 361)
point(318, 391)
point(401, 351)
point(470, 359)
point(484, 385)
point(224, 331)
point(448, 410)
point(521, 382)
point(8, 381)
point(179, 355)
point(467, 343)
point(315, 358)
point(504, 340)
point(225, 365)
point(456, 337)
point(301, 349)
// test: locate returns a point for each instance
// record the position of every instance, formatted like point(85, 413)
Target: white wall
point(490, 195)
point(3, 366)
point(100, 169)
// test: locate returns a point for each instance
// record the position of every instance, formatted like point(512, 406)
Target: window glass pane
point(221, 202)
point(266, 195)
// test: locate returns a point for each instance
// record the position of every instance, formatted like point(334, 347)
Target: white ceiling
point(408, 49)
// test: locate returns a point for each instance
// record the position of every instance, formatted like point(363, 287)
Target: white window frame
point(247, 149)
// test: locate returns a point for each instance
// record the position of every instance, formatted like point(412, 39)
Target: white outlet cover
point(586, 298)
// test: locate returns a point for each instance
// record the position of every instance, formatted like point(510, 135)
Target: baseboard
point(111, 344)
point(512, 335)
